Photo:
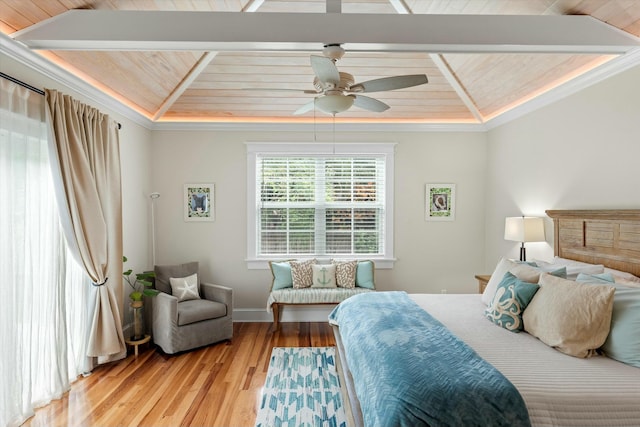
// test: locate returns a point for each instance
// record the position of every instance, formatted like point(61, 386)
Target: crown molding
point(319, 127)
point(36, 62)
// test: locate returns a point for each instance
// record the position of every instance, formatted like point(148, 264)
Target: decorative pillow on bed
point(623, 342)
point(345, 273)
point(301, 273)
point(511, 298)
point(571, 317)
point(364, 274)
point(626, 282)
point(522, 271)
point(324, 275)
point(597, 279)
point(185, 288)
point(573, 267)
point(281, 272)
point(627, 279)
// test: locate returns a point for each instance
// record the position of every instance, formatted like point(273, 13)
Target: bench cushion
point(312, 295)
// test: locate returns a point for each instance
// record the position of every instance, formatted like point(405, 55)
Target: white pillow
point(501, 269)
point(324, 275)
point(573, 267)
point(185, 288)
point(523, 272)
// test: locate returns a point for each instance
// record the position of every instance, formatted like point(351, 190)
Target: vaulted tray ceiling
point(467, 83)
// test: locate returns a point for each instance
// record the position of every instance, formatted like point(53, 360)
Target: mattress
point(559, 390)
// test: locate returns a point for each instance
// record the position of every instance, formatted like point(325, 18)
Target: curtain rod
point(28, 86)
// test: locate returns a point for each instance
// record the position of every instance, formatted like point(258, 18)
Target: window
point(320, 200)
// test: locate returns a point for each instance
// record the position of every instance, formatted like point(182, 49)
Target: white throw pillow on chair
point(185, 288)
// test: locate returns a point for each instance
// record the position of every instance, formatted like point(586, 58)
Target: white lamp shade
point(333, 104)
point(524, 229)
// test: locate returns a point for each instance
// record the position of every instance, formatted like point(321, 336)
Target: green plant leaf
point(150, 292)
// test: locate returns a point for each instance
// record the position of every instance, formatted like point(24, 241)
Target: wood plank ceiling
point(209, 86)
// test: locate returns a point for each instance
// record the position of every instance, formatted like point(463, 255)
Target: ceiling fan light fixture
point(334, 104)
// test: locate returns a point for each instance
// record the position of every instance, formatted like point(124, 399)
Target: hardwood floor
point(218, 385)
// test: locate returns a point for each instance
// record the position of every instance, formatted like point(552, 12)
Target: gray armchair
point(179, 326)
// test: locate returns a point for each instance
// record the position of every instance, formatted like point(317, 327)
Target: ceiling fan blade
point(370, 104)
point(325, 69)
point(305, 108)
point(274, 89)
point(390, 83)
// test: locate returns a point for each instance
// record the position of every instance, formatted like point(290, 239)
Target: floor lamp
point(153, 197)
point(524, 229)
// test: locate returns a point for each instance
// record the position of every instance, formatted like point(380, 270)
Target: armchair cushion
point(199, 309)
point(165, 272)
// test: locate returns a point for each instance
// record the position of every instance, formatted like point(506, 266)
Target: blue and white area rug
point(302, 389)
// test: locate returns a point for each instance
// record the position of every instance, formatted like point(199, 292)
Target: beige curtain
point(85, 144)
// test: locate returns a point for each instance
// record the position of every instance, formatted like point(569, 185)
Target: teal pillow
point(281, 272)
point(364, 274)
point(623, 342)
point(512, 297)
point(596, 279)
point(529, 263)
point(558, 272)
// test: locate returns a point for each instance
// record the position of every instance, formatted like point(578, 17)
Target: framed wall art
point(440, 201)
point(198, 202)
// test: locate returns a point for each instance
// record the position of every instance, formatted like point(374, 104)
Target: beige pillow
point(571, 317)
point(301, 273)
point(345, 273)
point(324, 275)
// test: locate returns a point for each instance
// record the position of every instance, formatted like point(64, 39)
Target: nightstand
point(483, 279)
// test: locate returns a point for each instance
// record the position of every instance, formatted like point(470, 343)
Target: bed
point(552, 387)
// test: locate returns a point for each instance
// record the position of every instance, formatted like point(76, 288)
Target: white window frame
point(254, 149)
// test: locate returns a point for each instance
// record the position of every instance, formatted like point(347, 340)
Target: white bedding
point(559, 390)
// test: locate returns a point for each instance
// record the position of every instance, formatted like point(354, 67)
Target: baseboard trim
point(288, 313)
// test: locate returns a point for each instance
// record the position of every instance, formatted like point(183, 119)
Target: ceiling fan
point(338, 91)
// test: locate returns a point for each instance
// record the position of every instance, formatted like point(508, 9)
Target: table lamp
point(524, 229)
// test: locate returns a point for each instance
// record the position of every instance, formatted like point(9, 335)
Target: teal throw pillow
point(558, 272)
point(596, 279)
point(364, 274)
point(623, 341)
point(511, 298)
point(529, 263)
point(281, 275)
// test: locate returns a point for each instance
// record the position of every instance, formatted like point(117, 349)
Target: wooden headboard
point(607, 237)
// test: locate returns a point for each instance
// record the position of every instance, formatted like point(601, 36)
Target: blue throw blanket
point(410, 370)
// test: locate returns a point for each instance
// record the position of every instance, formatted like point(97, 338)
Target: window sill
point(263, 264)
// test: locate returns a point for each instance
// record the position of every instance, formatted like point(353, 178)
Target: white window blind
point(320, 204)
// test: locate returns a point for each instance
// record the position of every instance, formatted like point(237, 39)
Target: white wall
point(582, 152)
point(429, 253)
point(136, 176)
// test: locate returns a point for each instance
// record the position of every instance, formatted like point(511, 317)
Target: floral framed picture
point(198, 202)
point(440, 201)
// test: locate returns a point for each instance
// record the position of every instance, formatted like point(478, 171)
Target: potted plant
point(141, 285)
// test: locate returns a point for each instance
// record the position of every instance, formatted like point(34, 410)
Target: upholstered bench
point(311, 283)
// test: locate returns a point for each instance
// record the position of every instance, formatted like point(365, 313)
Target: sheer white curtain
point(43, 297)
